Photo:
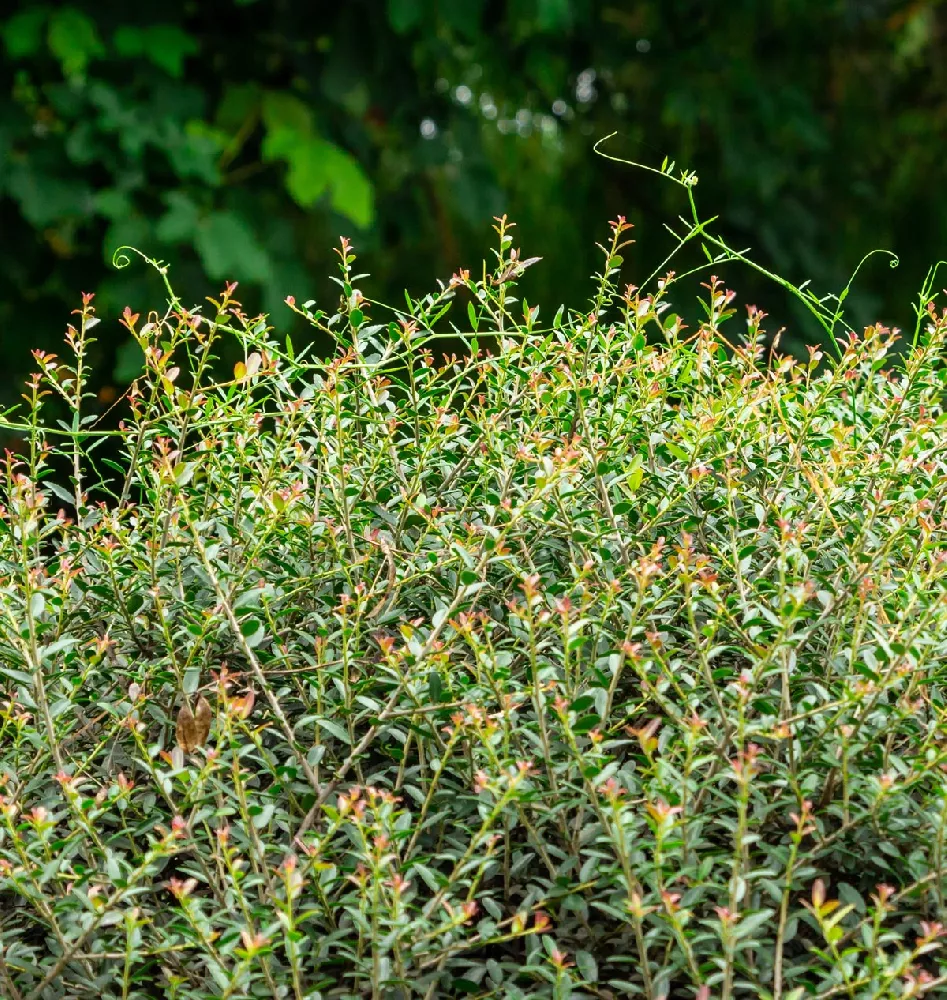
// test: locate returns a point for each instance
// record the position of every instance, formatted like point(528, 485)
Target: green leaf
point(352, 191)
point(228, 249)
point(129, 41)
point(239, 101)
point(193, 150)
point(23, 33)
point(752, 923)
point(849, 894)
point(192, 679)
point(403, 15)
point(587, 965)
point(184, 472)
point(285, 113)
point(60, 645)
point(554, 15)
point(180, 221)
point(113, 202)
point(60, 492)
point(17, 675)
point(334, 729)
point(169, 47)
point(308, 175)
point(165, 45)
point(317, 166)
point(465, 986)
point(587, 723)
point(45, 198)
point(73, 40)
point(282, 144)
point(262, 818)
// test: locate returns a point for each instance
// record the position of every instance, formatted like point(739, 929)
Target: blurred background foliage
point(236, 139)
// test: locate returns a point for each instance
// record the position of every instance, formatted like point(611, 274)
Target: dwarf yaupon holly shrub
point(607, 660)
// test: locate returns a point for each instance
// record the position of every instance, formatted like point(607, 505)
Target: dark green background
point(237, 140)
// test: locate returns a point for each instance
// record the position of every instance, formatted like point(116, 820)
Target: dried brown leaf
point(186, 730)
point(203, 717)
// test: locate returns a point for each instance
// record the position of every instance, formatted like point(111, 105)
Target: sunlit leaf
point(73, 39)
point(165, 45)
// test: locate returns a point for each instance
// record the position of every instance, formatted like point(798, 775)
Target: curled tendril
point(893, 261)
point(122, 257)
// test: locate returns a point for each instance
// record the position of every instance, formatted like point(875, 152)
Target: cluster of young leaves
point(606, 660)
point(232, 138)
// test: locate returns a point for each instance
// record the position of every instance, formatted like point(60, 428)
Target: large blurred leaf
point(554, 15)
point(113, 203)
point(352, 193)
point(238, 102)
point(286, 114)
point(309, 169)
point(403, 15)
point(44, 198)
point(23, 33)
point(179, 222)
point(228, 249)
point(193, 150)
point(315, 165)
point(73, 40)
point(166, 45)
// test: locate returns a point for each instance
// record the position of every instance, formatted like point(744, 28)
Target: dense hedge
point(604, 661)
